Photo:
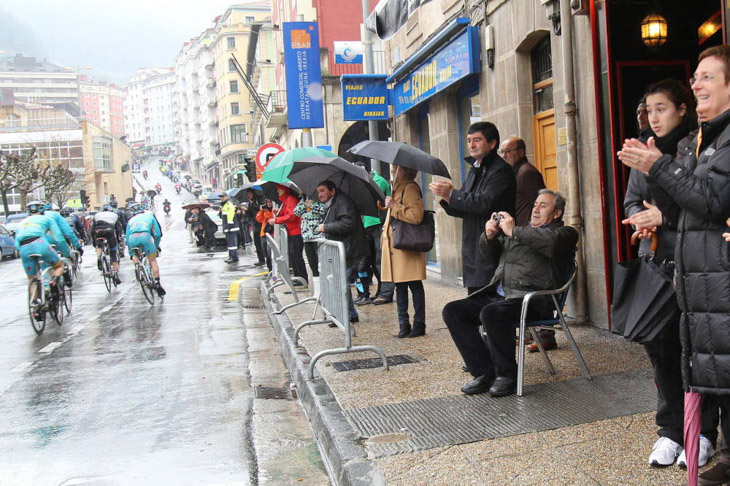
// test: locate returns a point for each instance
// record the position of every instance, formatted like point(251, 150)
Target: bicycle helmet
point(113, 204)
point(66, 212)
point(47, 207)
point(136, 209)
point(35, 207)
point(107, 207)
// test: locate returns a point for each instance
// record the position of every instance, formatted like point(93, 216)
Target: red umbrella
point(692, 424)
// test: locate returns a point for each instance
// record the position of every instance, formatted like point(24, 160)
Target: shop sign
point(364, 97)
point(303, 75)
point(451, 63)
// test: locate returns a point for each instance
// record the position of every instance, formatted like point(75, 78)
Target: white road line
point(22, 366)
point(50, 347)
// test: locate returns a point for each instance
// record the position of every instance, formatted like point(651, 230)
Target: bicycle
point(44, 298)
point(75, 261)
point(143, 273)
point(107, 271)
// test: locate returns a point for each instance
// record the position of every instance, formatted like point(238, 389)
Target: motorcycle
point(158, 188)
point(144, 174)
point(166, 208)
point(178, 188)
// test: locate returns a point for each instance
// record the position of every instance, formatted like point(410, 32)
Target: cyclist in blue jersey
point(64, 235)
point(74, 221)
point(143, 232)
point(34, 236)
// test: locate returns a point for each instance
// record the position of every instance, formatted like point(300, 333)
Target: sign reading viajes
point(364, 97)
point(303, 75)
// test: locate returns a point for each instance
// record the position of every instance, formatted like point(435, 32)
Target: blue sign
point(303, 75)
point(325, 147)
point(454, 61)
point(364, 97)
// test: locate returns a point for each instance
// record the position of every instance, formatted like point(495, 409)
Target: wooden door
point(546, 156)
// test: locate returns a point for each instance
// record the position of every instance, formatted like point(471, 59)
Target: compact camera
point(497, 218)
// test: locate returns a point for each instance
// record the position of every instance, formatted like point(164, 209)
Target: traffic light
point(251, 169)
point(84, 198)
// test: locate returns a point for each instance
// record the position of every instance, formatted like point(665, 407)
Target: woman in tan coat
point(406, 269)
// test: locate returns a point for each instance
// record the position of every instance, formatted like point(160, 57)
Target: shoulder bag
point(414, 237)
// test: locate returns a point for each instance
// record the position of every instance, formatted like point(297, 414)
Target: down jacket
point(488, 189)
point(701, 190)
point(532, 258)
point(342, 222)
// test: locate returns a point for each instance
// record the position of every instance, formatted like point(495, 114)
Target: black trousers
point(265, 254)
point(310, 248)
point(419, 302)
point(665, 356)
point(296, 256)
point(257, 244)
point(232, 243)
point(500, 317)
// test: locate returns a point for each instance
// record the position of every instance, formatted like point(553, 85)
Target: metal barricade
point(333, 288)
point(283, 277)
point(281, 237)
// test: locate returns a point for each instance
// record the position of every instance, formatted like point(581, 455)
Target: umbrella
point(402, 154)
point(152, 193)
point(279, 166)
point(349, 178)
point(269, 188)
point(195, 204)
point(692, 424)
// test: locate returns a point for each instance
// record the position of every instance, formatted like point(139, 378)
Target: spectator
point(252, 209)
point(671, 116)
point(230, 227)
point(204, 229)
point(265, 214)
point(385, 289)
point(532, 257)
point(342, 223)
point(311, 214)
point(489, 187)
point(293, 224)
point(407, 269)
point(373, 229)
point(698, 188)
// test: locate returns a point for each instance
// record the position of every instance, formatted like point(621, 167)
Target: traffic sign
point(265, 153)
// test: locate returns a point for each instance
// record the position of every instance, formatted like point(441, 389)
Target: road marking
point(236, 284)
point(22, 366)
point(50, 347)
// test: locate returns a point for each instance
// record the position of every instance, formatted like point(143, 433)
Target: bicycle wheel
point(55, 301)
point(106, 272)
point(40, 323)
point(147, 284)
point(68, 297)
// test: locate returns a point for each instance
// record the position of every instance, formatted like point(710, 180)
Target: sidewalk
point(411, 425)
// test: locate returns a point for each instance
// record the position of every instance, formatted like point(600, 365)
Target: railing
point(281, 273)
point(333, 301)
point(277, 101)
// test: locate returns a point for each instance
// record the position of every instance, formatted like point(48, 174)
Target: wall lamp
point(489, 45)
point(654, 30)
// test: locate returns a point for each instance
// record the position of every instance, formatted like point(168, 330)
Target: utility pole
point(368, 68)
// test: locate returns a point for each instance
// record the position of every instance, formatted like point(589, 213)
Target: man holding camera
point(537, 256)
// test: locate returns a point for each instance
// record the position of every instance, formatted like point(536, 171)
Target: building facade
point(107, 166)
point(148, 118)
point(102, 104)
point(35, 81)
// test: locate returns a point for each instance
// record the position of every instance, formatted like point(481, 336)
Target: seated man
point(532, 257)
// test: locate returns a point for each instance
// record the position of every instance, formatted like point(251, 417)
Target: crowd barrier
point(333, 288)
point(281, 273)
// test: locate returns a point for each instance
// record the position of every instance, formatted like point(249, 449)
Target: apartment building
point(148, 107)
point(102, 104)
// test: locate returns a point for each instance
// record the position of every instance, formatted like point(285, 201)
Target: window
point(103, 153)
point(542, 76)
point(234, 86)
point(238, 134)
point(231, 65)
point(231, 42)
point(250, 20)
point(235, 109)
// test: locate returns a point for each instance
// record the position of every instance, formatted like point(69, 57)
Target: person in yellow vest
point(230, 227)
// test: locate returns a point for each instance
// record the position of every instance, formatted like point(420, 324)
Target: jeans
point(419, 302)
point(310, 248)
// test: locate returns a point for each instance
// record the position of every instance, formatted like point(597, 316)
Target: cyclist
point(34, 236)
point(107, 225)
point(123, 220)
point(65, 235)
point(75, 223)
point(143, 232)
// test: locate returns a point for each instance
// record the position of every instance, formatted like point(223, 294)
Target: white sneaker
point(664, 452)
point(706, 453)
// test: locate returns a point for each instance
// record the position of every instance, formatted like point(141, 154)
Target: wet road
point(128, 393)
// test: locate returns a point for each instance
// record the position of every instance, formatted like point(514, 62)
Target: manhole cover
point(362, 364)
point(271, 392)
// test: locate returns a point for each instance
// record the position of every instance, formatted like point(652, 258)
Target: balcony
point(276, 106)
point(210, 66)
point(212, 104)
point(211, 84)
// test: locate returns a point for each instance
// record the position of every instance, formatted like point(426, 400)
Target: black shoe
point(363, 300)
point(405, 330)
point(417, 331)
point(715, 476)
point(98, 263)
point(355, 319)
point(480, 384)
point(230, 260)
point(503, 386)
point(259, 264)
point(160, 291)
point(381, 301)
point(332, 324)
point(116, 280)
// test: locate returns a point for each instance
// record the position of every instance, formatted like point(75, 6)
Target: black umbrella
point(402, 154)
point(348, 177)
point(269, 188)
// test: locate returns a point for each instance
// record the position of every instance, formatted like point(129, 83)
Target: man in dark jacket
point(489, 187)
point(700, 187)
point(532, 257)
point(251, 211)
point(342, 222)
point(528, 178)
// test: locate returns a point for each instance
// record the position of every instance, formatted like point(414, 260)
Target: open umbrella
point(239, 193)
point(269, 188)
point(402, 154)
point(195, 204)
point(349, 178)
point(280, 165)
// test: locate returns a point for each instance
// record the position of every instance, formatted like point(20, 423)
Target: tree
point(19, 172)
point(58, 182)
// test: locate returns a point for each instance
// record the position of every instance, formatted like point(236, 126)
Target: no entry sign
point(265, 153)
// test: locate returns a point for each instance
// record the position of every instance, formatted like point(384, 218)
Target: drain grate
point(363, 364)
point(271, 392)
point(460, 419)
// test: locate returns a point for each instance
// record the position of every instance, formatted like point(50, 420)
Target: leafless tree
point(58, 182)
point(20, 172)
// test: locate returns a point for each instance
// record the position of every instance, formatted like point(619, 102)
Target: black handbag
point(414, 237)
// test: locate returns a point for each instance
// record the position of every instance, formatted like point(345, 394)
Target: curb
point(341, 447)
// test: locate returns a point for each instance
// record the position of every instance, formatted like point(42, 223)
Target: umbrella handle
point(380, 205)
point(654, 240)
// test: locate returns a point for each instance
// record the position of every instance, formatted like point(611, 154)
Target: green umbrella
point(278, 168)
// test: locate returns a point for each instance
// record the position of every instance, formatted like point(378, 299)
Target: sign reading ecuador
point(303, 75)
point(451, 63)
point(364, 97)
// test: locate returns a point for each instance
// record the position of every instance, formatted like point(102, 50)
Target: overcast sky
point(113, 37)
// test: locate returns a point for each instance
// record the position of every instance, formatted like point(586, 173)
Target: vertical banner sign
point(303, 75)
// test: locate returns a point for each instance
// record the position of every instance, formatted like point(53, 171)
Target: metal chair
point(559, 297)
